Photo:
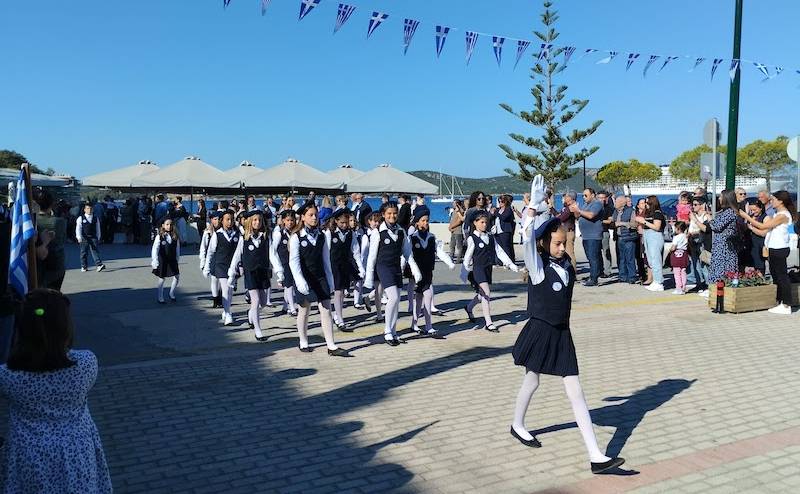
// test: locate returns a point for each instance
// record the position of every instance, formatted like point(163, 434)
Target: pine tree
point(549, 156)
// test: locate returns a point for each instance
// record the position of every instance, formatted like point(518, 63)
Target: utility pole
point(584, 151)
point(733, 112)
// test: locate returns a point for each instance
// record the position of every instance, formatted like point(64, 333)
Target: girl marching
point(544, 345)
point(257, 260)
point(345, 261)
point(280, 243)
point(211, 230)
point(310, 263)
point(389, 249)
point(477, 267)
point(165, 254)
point(425, 248)
point(218, 261)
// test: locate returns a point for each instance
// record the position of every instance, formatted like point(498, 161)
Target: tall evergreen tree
point(549, 155)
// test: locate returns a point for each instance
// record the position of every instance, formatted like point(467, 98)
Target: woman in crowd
point(645, 274)
point(756, 257)
point(724, 255)
point(52, 445)
point(778, 244)
point(699, 234)
point(325, 211)
point(477, 202)
point(504, 226)
point(653, 224)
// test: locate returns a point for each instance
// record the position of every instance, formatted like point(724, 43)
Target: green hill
point(503, 183)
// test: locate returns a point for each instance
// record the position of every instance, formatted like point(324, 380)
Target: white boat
point(669, 185)
point(453, 185)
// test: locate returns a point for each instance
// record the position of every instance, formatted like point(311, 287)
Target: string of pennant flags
point(346, 10)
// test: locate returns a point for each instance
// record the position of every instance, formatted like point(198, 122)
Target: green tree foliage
point(623, 173)
point(13, 160)
point(763, 158)
point(548, 154)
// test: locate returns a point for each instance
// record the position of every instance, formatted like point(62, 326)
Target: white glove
point(202, 265)
point(279, 277)
point(154, 264)
point(451, 265)
point(416, 273)
point(361, 274)
point(301, 287)
point(538, 193)
point(514, 268)
point(231, 280)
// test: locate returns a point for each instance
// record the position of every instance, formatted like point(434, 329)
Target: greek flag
point(568, 51)
point(345, 11)
point(667, 61)
point(778, 71)
point(264, 5)
point(734, 69)
point(225, 3)
point(375, 21)
point(763, 69)
point(441, 37)
point(522, 45)
point(409, 28)
point(22, 230)
point(307, 6)
point(653, 58)
point(714, 66)
point(472, 38)
point(697, 62)
point(609, 58)
point(497, 46)
point(631, 58)
point(544, 52)
point(588, 51)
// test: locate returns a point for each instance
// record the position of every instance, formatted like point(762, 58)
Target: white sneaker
point(228, 320)
point(690, 286)
point(703, 293)
point(656, 287)
point(677, 292)
point(83, 270)
point(781, 309)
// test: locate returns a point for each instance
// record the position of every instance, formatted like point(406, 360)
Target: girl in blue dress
point(280, 243)
point(345, 262)
point(218, 260)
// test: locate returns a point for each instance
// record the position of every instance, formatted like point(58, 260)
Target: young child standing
point(345, 261)
point(87, 231)
point(684, 207)
point(310, 262)
point(425, 248)
point(280, 243)
point(389, 249)
point(164, 258)
point(679, 257)
point(257, 260)
point(211, 230)
point(477, 267)
point(544, 346)
point(372, 222)
point(218, 261)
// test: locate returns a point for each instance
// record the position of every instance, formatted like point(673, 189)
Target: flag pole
point(33, 277)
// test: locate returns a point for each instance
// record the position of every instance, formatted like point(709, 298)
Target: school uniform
point(257, 261)
point(204, 241)
point(221, 249)
point(309, 260)
point(425, 248)
point(87, 232)
point(388, 247)
point(345, 258)
point(165, 255)
point(280, 244)
point(479, 259)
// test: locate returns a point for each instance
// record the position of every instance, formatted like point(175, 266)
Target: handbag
point(705, 257)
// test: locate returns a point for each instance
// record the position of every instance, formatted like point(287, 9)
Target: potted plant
point(745, 292)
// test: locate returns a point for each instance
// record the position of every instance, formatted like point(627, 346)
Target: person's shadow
point(625, 417)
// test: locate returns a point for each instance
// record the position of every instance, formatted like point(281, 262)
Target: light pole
point(584, 151)
point(733, 111)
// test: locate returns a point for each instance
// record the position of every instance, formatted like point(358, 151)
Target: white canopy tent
point(293, 175)
point(188, 173)
point(345, 173)
point(8, 175)
point(244, 171)
point(385, 178)
point(122, 177)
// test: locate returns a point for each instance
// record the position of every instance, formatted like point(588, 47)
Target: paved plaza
point(696, 402)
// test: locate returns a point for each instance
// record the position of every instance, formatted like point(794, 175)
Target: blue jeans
point(593, 250)
point(627, 260)
point(699, 271)
point(654, 250)
point(89, 244)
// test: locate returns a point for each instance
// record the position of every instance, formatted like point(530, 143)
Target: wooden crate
point(795, 294)
point(745, 299)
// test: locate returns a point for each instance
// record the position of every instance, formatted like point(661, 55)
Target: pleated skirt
point(546, 349)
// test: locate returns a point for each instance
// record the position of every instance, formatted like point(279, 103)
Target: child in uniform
point(345, 261)
point(87, 232)
point(280, 243)
point(218, 261)
point(164, 258)
point(211, 230)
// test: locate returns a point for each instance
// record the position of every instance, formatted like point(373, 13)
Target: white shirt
point(466, 265)
point(778, 237)
point(680, 242)
point(277, 268)
point(79, 227)
point(294, 259)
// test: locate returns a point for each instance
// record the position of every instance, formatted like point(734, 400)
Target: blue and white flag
point(568, 51)
point(697, 62)
point(734, 69)
point(472, 39)
point(763, 69)
point(588, 51)
point(650, 62)
point(714, 66)
point(375, 21)
point(522, 45)
point(22, 230)
point(778, 71)
point(264, 5)
point(631, 58)
point(345, 11)
point(667, 61)
point(544, 52)
point(409, 28)
point(497, 46)
point(225, 3)
point(609, 58)
point(307, 6)
point(441, 37)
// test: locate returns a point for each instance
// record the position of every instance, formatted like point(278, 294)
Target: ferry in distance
point(669, 185)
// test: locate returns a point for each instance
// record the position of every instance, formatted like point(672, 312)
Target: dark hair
point(374, 216)
point(288, 212)
point(178, 198)
point(160, 197)
point(224, 204)
point(591, 190)
point(653, 204)
point(786, 199)
point(45, 200)
point(301, 212)
point(406, 197)
point(727, 200)
point(543, 242)
point(482, 214)
point(44, 333)
point(700, 199)
point(389, 205)
point(473, 198)
point(680, 226)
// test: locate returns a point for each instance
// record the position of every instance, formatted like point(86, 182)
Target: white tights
point(357, 296)
point(338, 305)
point(175, 280)
point(424, 307)
point(227, 294)
point(288, 299)
point(572, 385)
point(410, 295)
point(253, 315)
point(325, 319)
point(483, 296)
point(391, 312)
point(214, 286)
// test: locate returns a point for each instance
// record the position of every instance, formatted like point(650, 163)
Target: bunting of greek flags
point(522, 45)
point(306, 6)
point(225, 3)
point(667, 61)
point(763, 69)
point(441, 37)
point(716, 63)
point(734, 69)
point(472, 39)
point(375, 21)
point(697, 62)
point(345, 11)
point(568, 51)
point(544, 52)
point(264, 5)
point(631, 59)
point(497, 46)
point(778, 71)
point(587, 51)
point(409, 28)
point(609, 58)
point(650, 62)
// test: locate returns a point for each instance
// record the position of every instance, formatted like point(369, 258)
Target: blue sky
point(95, 85)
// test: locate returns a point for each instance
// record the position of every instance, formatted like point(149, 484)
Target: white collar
point(393, 233)
point(423, 242)
point(560, 271)
point(341, 234)
point(308, 236)
point(483, 236)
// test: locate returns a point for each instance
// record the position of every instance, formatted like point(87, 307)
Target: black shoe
point(438, 312)
point(469, 315)
point(173, 299)
point(436, 336)
point(367, 304)
point(492, 328)
point(306, 349)
point(400, 341)
point(251, 325)
point(339, 352)
point(247, 298)
point(161, 302)
point(607, 465)
point(392, 342)
point(589, 283)
point(533, 443)
point(344, 327)
point(261, 338)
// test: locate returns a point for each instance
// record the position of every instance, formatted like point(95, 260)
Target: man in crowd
point(591, 225)
point(763, 197)
point(608, 225)
point(361, 209)
point(626, 229)
point(567, 218)
point(456, 233)
point(404, 214)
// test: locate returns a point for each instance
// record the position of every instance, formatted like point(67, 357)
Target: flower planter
point(795, 294)
point(745, 299)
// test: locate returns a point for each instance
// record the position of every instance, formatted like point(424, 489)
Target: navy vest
point(390, 250)
point(283, 248)
point(311, 262)
point(254, 257)
point(425, 257)
point(483, 256)
point(167, 252)
point(88, 228)
point(223, 256)
point(341, 250)
point(550, 301)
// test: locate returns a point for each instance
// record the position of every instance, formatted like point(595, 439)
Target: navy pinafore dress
point(167, 258)
point(283, 255)
point(313, 268)
point(343, 265)
point(223, 256)
point(255, 261)
point(482, 261)
point(424, 250)
point(388, 263)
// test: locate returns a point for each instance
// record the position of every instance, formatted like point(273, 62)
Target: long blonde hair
point(248, 226)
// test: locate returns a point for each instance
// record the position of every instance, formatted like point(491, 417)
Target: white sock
point(392, 309)
point(338, 303)
point(175, 281)
point(302, 324)
point(253, 313)
point(288, 299)
point(214, 286)
point(485, 296)
point(529, 385)
point(575, 394)
point(160, 289)
point(327, 325)
point(227, 293)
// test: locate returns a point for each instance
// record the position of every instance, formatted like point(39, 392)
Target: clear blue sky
point(93, 85)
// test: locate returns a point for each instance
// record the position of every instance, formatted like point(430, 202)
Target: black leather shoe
point(533, 443)
point(339, 352)
point(469, 315)
point(607, 465)
point(161, 302)
point(436, 336)
point(251, 325)
point(173, 299)
point(438, 312)
point(492, 328)
point(400, 341)
point(392, 342)
point(261, 338)
point(306, 349)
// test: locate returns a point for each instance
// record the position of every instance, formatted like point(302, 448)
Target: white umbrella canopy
point(292, 174)
point(345, 173)
point(244, 171)
point(385, 178)
point(190, 172)
point(8, 175)
point(121, 177)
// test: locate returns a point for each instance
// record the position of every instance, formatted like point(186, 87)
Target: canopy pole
point(33, 276)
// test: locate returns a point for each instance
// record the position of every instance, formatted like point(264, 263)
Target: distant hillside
point(503, 183)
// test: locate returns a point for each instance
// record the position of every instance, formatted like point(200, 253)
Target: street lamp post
point(733, 111)
point(584, 167)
